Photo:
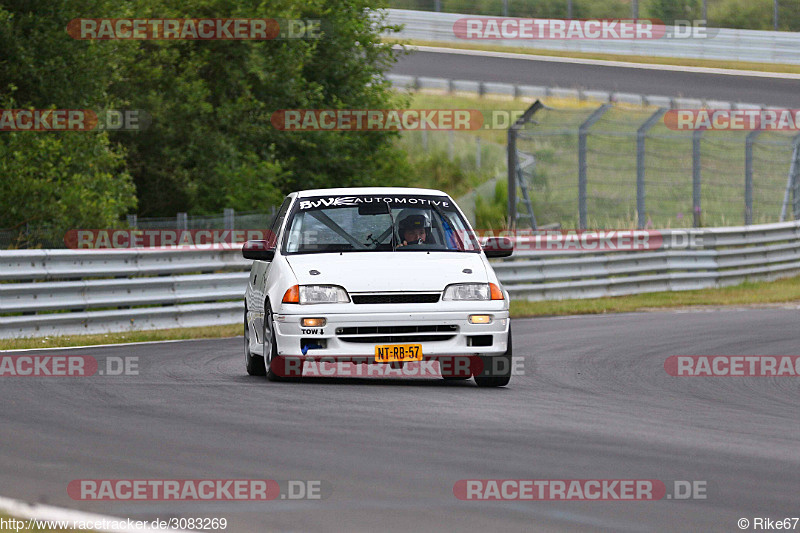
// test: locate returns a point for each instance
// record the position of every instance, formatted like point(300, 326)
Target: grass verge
point(749, 293)
point(653, 60)
point(213, 332)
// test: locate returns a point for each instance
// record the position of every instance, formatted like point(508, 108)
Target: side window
point(278, 222)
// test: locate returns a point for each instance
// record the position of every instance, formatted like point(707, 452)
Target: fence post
point(512, 177)
point(641, 135)
point(583, 133)
point(696, 208)
point(748, 176)
point(133, 221)
point(228, 218)
point(513, 162)
point(182, 221)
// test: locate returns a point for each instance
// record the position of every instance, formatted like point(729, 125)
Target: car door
point(260, 270)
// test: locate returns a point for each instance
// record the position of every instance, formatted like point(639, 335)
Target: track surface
point(595, 402)
point(775, 92)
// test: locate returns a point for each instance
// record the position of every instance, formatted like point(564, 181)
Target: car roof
point(368, 190)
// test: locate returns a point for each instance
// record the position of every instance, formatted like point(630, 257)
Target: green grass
point(655, 60)
point(213, 332)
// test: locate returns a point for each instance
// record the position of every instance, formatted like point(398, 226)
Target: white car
point(376, 275)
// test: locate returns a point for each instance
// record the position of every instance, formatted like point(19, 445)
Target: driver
point(413, 227)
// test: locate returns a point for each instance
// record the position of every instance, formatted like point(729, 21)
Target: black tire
point(491, 378)
point(275, 364)
point(253, 363)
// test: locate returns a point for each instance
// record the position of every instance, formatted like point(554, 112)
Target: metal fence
point(58, 292)
point(721, 44)
point(611, 166)
point(46, 236)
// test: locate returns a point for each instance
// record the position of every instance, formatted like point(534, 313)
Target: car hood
point(389, 271)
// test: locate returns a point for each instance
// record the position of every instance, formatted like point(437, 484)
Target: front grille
point(396, 298)
point(396, 334)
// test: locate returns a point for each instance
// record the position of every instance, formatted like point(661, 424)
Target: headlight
point(323, 294)
point(467, 291)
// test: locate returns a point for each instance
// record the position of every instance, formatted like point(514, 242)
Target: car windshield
point(379, 223)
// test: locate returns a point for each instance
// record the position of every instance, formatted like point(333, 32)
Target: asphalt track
point(594, 402)
point(755, 90)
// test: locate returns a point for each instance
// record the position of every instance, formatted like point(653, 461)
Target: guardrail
point(723, 257)
point(57, 292)
point(513, 90)
point(721, 43)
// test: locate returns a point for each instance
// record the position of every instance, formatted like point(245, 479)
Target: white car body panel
point(389, 271)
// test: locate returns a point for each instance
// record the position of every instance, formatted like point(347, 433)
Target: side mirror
point(258, 251)
point(498, 247)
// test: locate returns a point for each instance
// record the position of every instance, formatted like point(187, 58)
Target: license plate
point(387, 353)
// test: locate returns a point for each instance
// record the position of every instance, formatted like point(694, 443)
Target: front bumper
point(453, 335)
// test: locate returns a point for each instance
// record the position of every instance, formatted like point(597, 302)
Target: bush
point(490, 213)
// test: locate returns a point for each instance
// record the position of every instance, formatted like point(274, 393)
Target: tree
point(668, 11)
point(68, 179)
point(211, 144)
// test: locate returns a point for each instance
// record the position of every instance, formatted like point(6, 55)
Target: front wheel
point(252, 362)
point(496, 370)
point(278, 367)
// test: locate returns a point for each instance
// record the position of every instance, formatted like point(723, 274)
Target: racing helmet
point(412, 219)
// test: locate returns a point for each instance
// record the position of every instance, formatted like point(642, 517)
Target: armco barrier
point(722, 43)
point(52, 292)
point(56, 292)
point(481, 88)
